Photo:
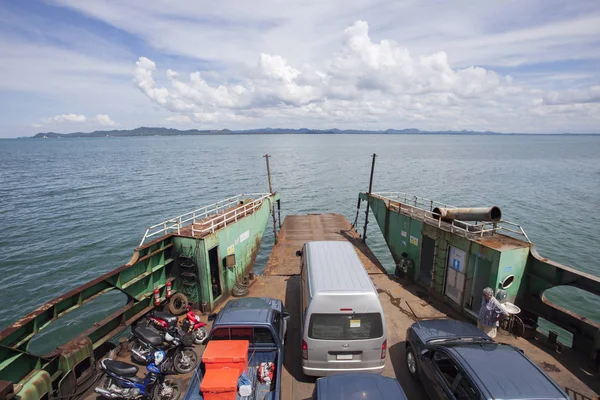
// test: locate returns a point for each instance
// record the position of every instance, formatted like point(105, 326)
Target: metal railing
point(578, 396)
point(411, 204)
point(211, 216)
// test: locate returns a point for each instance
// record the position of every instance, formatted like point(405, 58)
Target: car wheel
point(411, 363)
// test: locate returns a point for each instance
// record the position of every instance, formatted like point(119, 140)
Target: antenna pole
point(272, 204)
point(364, 238)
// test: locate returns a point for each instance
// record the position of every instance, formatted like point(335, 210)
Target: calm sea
point(72, 209)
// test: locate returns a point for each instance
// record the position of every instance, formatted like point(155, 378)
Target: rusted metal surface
point(427, 215)
point(299, 229)
point(491, 214)
point(207, 226)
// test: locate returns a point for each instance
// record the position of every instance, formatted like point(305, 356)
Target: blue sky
point(508, 66)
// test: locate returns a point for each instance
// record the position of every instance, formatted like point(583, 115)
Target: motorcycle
point(122, 382)
point(179, 353)
point(164, 322)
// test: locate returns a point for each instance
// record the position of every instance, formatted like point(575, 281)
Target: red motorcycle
point(166, 325)
point(192, 323)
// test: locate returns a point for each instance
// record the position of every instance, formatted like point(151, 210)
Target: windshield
point(345, 327)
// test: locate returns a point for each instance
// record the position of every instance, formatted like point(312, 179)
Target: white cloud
point(363, 81)
point(104, 120)
point(76, 119)
point(61, 118)
point(589, 95)
point(179, 119)
point(377, 83)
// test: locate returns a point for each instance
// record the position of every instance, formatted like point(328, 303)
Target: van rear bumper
point(331, 371)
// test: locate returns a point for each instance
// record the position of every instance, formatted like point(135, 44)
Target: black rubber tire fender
point(178, 304)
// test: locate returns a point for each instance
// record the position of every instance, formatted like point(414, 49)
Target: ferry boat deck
point(403, 303)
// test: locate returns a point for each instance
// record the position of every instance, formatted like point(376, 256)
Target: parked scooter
point(180, 354)
point(122, 382)
point(164, 322)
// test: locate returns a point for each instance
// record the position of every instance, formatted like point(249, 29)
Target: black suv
point(456, 360)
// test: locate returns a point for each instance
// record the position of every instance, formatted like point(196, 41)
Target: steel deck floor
point(299, 229)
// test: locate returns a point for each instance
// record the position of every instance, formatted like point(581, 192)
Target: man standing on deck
point(490, 313)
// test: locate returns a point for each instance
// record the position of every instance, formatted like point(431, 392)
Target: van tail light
point(383, 349)
point(304, 350)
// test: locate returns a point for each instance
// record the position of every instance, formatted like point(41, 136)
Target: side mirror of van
point(299, 253)
point(285, 315)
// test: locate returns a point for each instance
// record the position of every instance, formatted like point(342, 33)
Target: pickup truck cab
point(456, 360)
point(263, 323)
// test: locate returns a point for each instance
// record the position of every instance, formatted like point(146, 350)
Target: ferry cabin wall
point(240, 240)
point(484, 266)
point(402, 233)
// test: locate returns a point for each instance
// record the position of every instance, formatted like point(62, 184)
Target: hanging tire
point(185, 361)
point(411, 364)
point(200, 335)
point(178, 304)
point(169, 389)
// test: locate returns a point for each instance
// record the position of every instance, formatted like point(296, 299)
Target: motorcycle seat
point(148, 336)
point(165, 316)
point(120, 368)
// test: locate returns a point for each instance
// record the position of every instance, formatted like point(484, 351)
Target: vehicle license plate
point(344, 356)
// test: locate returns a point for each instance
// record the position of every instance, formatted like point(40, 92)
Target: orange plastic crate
point(226, 353)
point(220, 384)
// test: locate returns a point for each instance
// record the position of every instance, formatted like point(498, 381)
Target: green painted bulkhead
point(482, 262)
point(220, 259)
point(455, 266)
point(72, 360)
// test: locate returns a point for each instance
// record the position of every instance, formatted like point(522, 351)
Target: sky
point(506, 66)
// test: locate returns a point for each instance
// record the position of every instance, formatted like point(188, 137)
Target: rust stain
point(205, 223)
point(549, 367)
point(299, 229)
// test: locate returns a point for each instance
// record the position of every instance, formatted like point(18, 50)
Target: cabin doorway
point(481, 280)
point(456, 271)
point(426, 264)
point(215, 273)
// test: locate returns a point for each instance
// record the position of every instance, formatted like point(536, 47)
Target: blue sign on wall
point(456, 264)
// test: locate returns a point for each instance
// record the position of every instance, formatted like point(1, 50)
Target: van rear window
point(345, 327)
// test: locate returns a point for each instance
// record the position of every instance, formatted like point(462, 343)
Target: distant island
point(145, 131)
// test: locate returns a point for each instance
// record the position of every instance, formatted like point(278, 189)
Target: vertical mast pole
point(270, 200)
point(364, 238)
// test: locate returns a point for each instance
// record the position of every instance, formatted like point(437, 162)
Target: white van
point(343, 325)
